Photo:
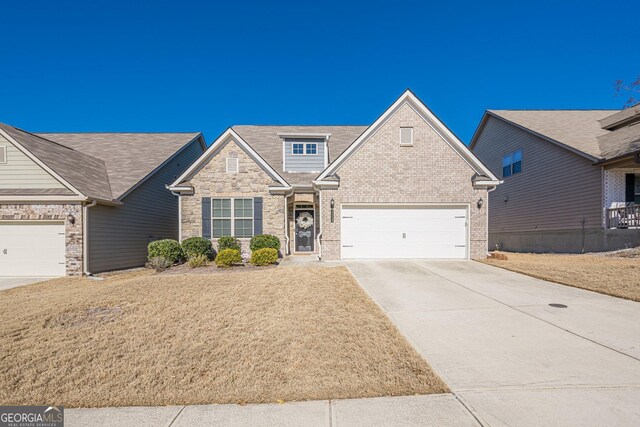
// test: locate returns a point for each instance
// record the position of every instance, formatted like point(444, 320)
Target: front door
point(305, 230)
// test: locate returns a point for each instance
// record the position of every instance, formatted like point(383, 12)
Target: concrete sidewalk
point(508, 355)
point(440, 409)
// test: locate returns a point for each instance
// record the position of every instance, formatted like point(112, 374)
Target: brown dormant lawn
point(618, 276)
point(279, 334)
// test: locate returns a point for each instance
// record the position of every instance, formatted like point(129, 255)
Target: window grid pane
point(298, 148)
point(312, 148)
point(243, 228)
point(221, 227)
point(221, 208)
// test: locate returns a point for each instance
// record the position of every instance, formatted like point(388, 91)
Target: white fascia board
point(40, 163)
point(218, 144)
point(304, 135)
point(491, 183)
point(279, 190)
point(429, 118)
point(326, 184)
point(18, 198)
point(180, 189)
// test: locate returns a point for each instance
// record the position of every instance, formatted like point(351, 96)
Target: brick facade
point(382, 171)
point(53, 212)
point(251, 181)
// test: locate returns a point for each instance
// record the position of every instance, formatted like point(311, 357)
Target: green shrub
point(262, 241)
point(198, 261)
point(228, 242)
point(264, 256)
point(167, 248)
point(197, 246)
point(228, 257)
point(159, 263)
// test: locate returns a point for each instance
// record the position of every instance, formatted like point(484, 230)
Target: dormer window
point(309, 149)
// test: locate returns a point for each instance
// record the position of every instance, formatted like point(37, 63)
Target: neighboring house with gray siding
point(571, 179)
point(403, 187)
point(74, 203)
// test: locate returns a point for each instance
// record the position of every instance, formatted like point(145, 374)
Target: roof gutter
point(633, 154)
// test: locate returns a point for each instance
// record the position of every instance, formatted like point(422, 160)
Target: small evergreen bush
point(228, 242)
point(264, 256)
point(262, 241)
point(168, 248)
point(228, 257)
point(197, 246)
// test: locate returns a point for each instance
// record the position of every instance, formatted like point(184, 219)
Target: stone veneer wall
point(53, 212)
point(251, 181)
point(382, 171)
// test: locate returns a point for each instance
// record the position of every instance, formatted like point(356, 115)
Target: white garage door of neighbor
point(32, 249)
point(404, 232)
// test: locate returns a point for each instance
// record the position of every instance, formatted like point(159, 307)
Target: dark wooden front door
point(305, 230)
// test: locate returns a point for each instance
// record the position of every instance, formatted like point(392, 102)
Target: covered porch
point(622, 197)
point(302, 226)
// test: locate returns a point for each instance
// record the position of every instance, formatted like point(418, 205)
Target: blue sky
point(202, 66)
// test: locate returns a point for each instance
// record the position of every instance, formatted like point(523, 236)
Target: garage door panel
point(32, 249)
point(416, 232)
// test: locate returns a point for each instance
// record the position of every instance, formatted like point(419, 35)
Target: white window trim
point(232, 218)
point(304, 149)
point(410, 144)
point(237, 165)
point(3, 150)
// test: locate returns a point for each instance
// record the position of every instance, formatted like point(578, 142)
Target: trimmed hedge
point(264, 256)
point(228, 257)
point(168, 248)
point(194, 246)
point(262, 241)
point(228, 242)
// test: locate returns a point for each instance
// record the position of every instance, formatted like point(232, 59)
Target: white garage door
point(404, 232)
point(32, 249)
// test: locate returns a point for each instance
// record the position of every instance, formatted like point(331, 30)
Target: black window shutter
point(257, 216)
point(206, 217)
point(630, 188)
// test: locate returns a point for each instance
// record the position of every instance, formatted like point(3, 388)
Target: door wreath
point(304, 220)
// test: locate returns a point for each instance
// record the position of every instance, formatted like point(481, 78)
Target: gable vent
point(3, 155)
point(232, 165)
point(406, 136)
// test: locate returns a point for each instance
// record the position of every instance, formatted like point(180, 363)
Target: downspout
point(286, 222)
point(319, 236)
point(85, 237)
point(487, 208)
point(179, 215)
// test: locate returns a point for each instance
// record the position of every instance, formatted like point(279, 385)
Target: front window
point(312, 149)
point(237, 222)
point(512, 163)
point(298, 148)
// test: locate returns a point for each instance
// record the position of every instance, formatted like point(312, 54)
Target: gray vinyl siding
point(21, 172)
point(556, 190)
point(303, 162)
point(119, 235)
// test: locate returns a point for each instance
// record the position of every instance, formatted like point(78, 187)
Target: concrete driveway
point(508, 356)
point(14, 282)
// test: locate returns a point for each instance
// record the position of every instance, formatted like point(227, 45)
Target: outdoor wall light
point(71, 219)
point(480, 202)
point(332, 204)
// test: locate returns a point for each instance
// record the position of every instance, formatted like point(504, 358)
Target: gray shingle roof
point(128, 157)
point(101, 165)
point(84, 172)
point(266, 142)
point(578, 129)
point(602, 134)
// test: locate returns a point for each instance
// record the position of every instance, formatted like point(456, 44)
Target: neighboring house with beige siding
point(403, 187)
point(571, 179)
point(74, 203)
